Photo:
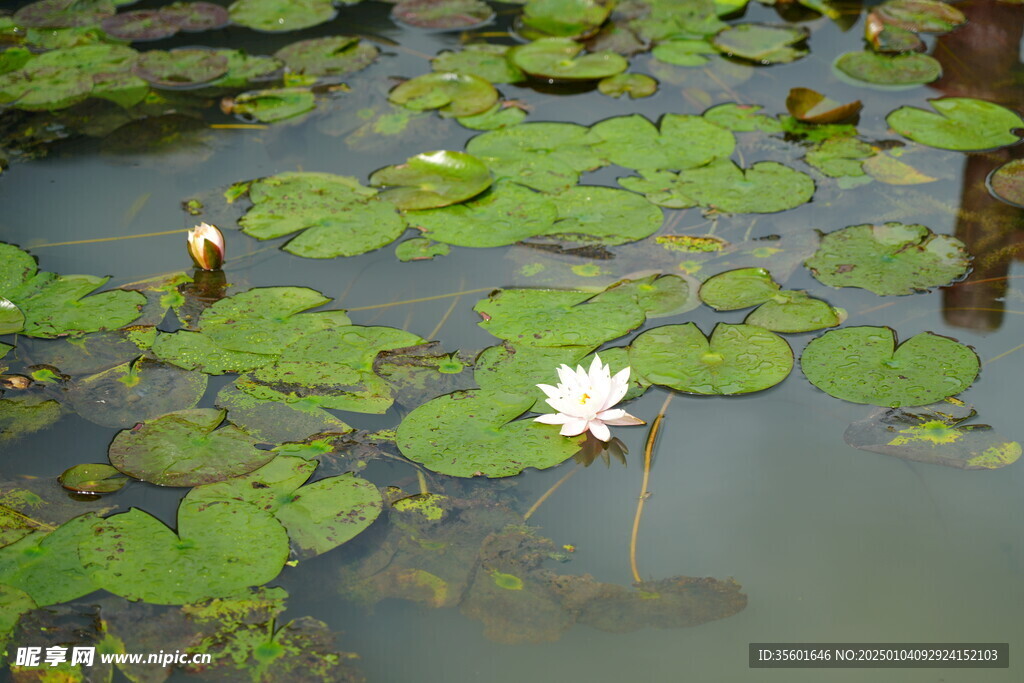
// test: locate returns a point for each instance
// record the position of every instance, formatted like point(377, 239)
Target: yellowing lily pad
point(737, 359)
point(1005, 183)
point(864, 365)
point(812, 107)
point(432, 179)
point(962, 123)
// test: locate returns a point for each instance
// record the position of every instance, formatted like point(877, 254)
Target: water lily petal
point(618, 416)
point(550, 391)
point(567, 406)
point(598, 429)
point(566, 376)
point(574, 427)
point(553, 419)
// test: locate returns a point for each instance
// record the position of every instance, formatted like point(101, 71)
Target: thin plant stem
point(547, 494)
point(108, 239)
point(1004, 354)
point(239, 126)
point(652, 435)
point(444, 318)
point(423, 481)
point(421, 299)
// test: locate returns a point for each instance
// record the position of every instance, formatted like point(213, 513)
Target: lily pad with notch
point(906, 69)
point(275, 16)
point(92, 479)
point(328, 56)
point(442, 14)
point(778, 310)
point(962, 124)
point(558, 59)
point(419, 373)
point(762, 43)
point(501, 115)
point(658, 295)
point(486, 60)
point(473, 433)
point(604, 215)
point(865, 365)
point(432, 179)
point(737, 359)
point(684, 52)
point(185, 448)
point(64, 13)
point(269, 106)
point(220, 548)
point(453, 94)
point(47, 565)
point(888, 259)
point(634, 85)
point(679, 142)
point(274, 421)
point(420, 249)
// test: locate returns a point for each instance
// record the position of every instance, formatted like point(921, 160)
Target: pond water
point(829, 543)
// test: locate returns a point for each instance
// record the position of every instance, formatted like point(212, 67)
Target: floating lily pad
point(683, 141)
point(281, 15)
point(518, 369)
point(11, 318)
point(140, 25)
point(93, 478)
point(762, 43)
point(328, 56)
point(882, 69)
point(778, 310)
point(888, 259)
point(737, 359)
point(486, 60)
point(811, 106)
point(420, 249)
point(57, 305)
point(540, 317)
point(742, 118)
point(563, 18)
point(765, 187)
point(934, 434)
point(185, 448)
point(659, 296)
point(432, 179)
point(269, 106)
point(507, 213)
point(684, 52)
point(471, 433)
point(557, 59)
point(90, 59)
point(135, 391)
point(962, 123)
point(244, 69)
point(501, 115)
point(276, 422)
point(885, 167)
point(840, 157)
point(46, 565)
point(924, 16)
point(183, 68)
point(634, 85)
point(545, 156)
point(605, 215)
point(442, 14)
point(1006, 183)
point(220, 549)
point(420, 373)
point(318, 517)
point(886, 37)
point(39, 505)
point(196, 16)
point(64, 13)
point(454, 94)
point(864, 365)
point(45, 88)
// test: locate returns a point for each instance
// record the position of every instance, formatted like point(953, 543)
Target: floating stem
point(652, 435)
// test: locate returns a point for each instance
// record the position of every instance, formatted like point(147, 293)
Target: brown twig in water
point(652, 435)
point(547, 494)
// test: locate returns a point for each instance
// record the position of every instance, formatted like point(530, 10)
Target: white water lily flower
point(584, 400)
point(206, 246)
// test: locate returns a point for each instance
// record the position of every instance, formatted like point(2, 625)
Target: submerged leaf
point(1007, 182)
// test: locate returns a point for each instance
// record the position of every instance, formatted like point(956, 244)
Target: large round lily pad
point(64, 13)
point(605, 215)
point(762, 43)
point(557, 59)
point(318, 517)
point(563, 18)
point(683, 141)
point(432, 179)
point(888, 259)
point(738, 359)
point(962, 123)
point(46, 565)
point(453, 94)
point(471, 433)
point(442, 14)
point(542, 317)
point(901, 69)
point(180, 68)
point(275, 16)
point(778, 310)
point(221, 548)
point(45, 88)
point(864, 365)
point(545, 156)
point(196, 16)
point(635, 85)
point(140, 25)
point(328, 56)
point(185, 448)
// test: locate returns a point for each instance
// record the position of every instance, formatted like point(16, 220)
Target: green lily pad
point(684, 52)
point(501, 115)
point(40, 506)
point(738, 359)
point(454, 94)
point(540, 317)
point(888, 38)
point(273, 105)
point(765, 187)
point(64, 13)
point(762, 43)
point(432, 179)
point(840, 157)
point(742, 118)
point(659, 296)
point(276, 16)
point(276, 422)
point(888, 259)
point(634, 85)
point(420, 249)
point(778, 310)
point(92, 478)
point(244, 70)
point(124, 89)
point(557, 59)
point(545, 156)
point(471, 433)
point(563, 18)
point(57, 305)
point(98, 59)
point(864, 365)
point(140, 25)
point(519, 369)
point(45, 88)
point(964, 124)
point(318, 517)
point(486, 60)
point(220, 549)
point(1005, 183)
point(934, 434)
point(505, 214)
point(605, 215)
point(47, 566)
point(442, 14)
point(185, 448)
point(181, 68)
point(417, 374)
point(922, 16)
point(13, 603)
point(811, 106)
point(135, 391)
point(196, 16)
point(883, 69)
point(197, 351)
point(11, 318)
point(683, 141)
point(328, 56)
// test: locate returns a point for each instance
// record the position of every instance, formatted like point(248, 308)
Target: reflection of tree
point(982, 59)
